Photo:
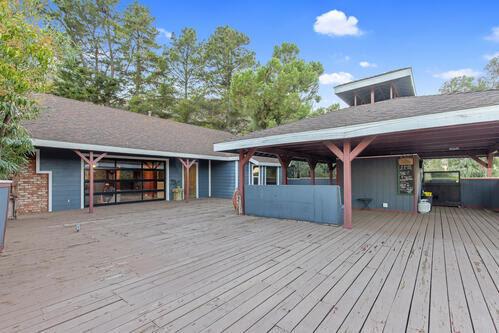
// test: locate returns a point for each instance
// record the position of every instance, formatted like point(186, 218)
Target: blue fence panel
point(480, 193)
point(315, 203)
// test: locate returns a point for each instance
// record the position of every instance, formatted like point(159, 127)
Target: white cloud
point(335, 78)
point(456, 73)
point(491, 56)
point(494, 35)
point(167, 34)
point(336, 23)
point(367, 64)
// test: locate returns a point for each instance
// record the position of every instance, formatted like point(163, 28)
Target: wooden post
point(91, 186)
point(312, 164)
point(347, 155)
point(490, 164)
point(244, 158)
point(187, 166)
point(284, 160)
point(347, 185)
point(91, 165)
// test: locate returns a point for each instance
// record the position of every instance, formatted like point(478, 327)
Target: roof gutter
point(452, 118)
point(128, 151)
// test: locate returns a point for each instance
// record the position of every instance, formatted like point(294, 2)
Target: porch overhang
point(464, 133)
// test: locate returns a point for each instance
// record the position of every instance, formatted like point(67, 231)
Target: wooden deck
point(195, 267)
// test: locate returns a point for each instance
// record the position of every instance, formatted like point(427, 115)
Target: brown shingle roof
point(67, 120)
point(386, 110)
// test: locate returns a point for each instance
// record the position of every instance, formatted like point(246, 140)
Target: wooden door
point(193, 181)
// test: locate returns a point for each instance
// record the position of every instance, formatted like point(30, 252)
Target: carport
point(438, 126)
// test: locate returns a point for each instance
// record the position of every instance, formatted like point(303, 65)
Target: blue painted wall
point(203, 181)
point(66, 177)
point(314, 203)
point(175, 175)
point(377, 179)
point(223, 179)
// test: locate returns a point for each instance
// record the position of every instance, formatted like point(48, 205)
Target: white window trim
point(82, 184)
point(167, 196)
point(250, 173)
point(209, 178)
point(236, 170)
point(49, 173)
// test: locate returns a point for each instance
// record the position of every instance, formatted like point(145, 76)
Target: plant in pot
point(177, 190)
point(26, 56)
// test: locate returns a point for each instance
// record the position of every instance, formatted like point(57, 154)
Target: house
point(135, 158)
point(377, 146)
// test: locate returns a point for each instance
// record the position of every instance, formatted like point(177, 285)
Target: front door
point(193, 181)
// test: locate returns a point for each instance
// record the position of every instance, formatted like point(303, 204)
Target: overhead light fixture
point(453, 148)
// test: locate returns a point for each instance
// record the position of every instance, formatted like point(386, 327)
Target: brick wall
point(31, 189)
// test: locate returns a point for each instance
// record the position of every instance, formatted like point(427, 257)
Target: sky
point(353, 39)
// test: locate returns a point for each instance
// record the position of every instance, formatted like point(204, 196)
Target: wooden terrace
point(191, 267)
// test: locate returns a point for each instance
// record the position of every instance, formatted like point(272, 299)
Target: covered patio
point(197, 267)
point(440, 126)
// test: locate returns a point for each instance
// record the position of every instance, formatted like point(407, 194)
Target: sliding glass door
point(121, 181)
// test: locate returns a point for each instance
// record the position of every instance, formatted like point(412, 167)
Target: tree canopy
point(26, 56)
point(116, 60)
point(469, 83)
point(280, 91)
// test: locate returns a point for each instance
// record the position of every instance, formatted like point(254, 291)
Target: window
point(119, 181)
point(271, 176)
point(255, 175)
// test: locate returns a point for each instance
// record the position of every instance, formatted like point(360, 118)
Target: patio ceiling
point(451, 141)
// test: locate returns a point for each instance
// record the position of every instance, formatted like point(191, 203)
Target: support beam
point(372, 95)
point(91, 162)
point(187, 182)
point(347, 155)
point(490, 164)
point(284, 161)
point(244, 158)
point(312, 164)
point(347, 186)
point(479, 161)
point(391, 91)
point(355, 100)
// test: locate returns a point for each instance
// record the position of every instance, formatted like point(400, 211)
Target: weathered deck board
point(165, 267)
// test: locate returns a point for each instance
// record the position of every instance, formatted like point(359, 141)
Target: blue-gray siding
point(203, 179)
point(223, 179)
point(175, 175)
point(480, 193)
point(66, 177)
point(377, 179)
point(314, 203)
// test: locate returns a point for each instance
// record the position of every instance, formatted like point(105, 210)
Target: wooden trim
point(361, 146)
point(479, 160)
point(335, 150)
point(347, 186)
